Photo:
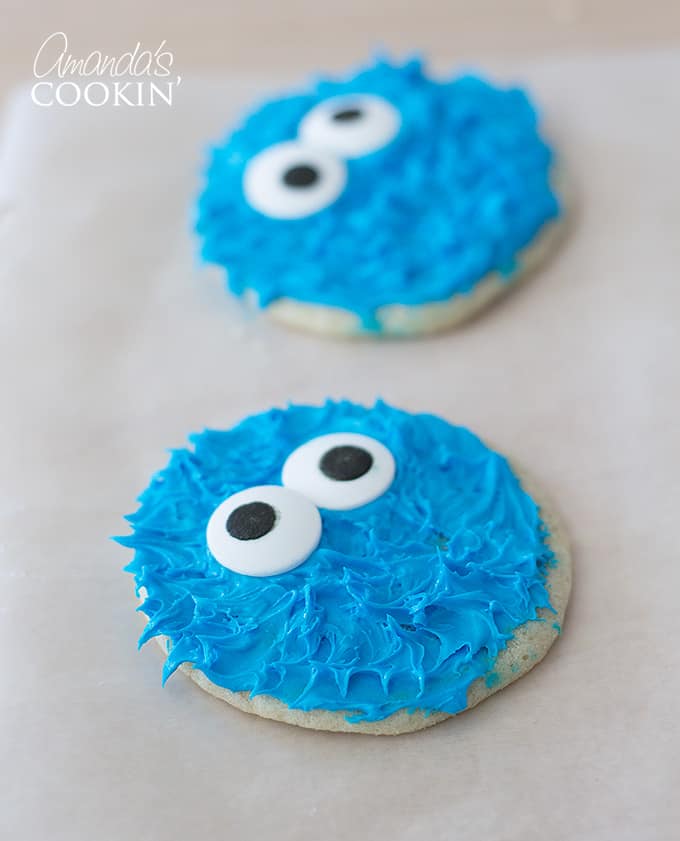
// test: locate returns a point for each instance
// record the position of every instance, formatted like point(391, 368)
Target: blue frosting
point(461, 189)
point(403, 604)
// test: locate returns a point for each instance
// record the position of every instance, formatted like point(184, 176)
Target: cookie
point(348, 568)
point(385, 203)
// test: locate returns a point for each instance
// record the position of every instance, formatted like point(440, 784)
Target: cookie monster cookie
point(348, 568)
point(387, 202)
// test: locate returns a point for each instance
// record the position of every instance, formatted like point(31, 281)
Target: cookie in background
point(385, 203)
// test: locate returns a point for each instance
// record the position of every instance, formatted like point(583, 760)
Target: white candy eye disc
point(263, 530)
point(351, 126)
point(340, 471)
point(291, 181)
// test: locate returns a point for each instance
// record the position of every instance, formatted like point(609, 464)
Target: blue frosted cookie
point(386, 202)
point(348, 568)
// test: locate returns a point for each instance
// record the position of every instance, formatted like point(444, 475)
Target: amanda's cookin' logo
point(137, 78)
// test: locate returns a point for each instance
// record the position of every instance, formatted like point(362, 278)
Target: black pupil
point(347, 115)
point(250, 521)
point(300, 176)
point(345, 463)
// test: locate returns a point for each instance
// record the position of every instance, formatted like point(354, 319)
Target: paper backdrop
point(116, 344)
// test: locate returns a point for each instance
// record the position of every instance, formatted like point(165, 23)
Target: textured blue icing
point(405, 601)
point(461, 189)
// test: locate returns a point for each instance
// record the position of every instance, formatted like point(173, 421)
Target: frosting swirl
point(457, 193)
point(403, 604)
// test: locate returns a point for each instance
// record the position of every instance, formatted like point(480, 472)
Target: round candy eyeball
point(263, 530)
point(340, 471)
point(291, 181)
point(351, 125)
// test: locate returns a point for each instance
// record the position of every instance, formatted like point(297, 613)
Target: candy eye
point(263, 530)
point(340, 471)
point(290, 181)
point(351, 126)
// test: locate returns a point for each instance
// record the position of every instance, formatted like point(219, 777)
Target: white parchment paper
point(116, 344)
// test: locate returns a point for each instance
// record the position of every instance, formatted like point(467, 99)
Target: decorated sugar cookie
point(348, 568)
point(387, 202)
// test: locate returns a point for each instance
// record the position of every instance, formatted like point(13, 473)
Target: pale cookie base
point(417, 320)
point(529, 645)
